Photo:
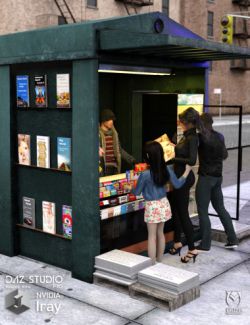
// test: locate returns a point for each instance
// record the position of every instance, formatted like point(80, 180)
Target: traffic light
point(227, 29)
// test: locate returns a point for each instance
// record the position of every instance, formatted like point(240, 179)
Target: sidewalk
point(80, 303)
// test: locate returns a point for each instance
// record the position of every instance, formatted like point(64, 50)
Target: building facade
point(20, 15)
point(201, 16)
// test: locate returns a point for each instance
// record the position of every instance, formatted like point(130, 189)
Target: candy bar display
point(115, 193)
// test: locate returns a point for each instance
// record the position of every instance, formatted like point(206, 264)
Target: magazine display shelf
point(33, 108)
point(43, 168)
point(41, 231)
point(51, 184)
point(39, 183)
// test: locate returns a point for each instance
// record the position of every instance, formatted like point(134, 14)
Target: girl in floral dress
point(152, 185)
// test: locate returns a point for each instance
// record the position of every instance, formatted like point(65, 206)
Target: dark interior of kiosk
point(157, 115)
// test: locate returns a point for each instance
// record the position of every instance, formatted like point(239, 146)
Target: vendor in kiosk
point(112, 152)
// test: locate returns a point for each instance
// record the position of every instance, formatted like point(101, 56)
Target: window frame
point(92, 5)
point(165, 7)
point(210, 24)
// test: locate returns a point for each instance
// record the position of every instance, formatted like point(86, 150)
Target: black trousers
point(179, 205)
point(208, 189)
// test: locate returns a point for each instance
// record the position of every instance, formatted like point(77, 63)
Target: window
point(92, 3)
point(165, 7)
point(210, 24)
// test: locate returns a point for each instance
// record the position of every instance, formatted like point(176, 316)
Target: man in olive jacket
point(109, 142)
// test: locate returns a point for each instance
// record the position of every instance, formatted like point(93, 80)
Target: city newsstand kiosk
point(87, 52)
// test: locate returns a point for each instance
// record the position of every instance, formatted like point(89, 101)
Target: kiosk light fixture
point(138, 70)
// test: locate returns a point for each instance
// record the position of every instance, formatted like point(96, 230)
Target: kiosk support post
point(7, 237)
point(85, 177)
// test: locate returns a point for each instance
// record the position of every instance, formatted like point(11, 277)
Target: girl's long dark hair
point(153, 155)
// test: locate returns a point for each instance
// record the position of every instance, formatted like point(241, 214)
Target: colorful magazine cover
point(67, 221)
point(43, 151)
point(24, 149)
point(41, 91)
point(167, 146)
point(29, 212)
point(22, 91)
point(64, 153)
point(49, 217)
point(63, 90)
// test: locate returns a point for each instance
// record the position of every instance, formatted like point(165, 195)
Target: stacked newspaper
point(168, 278)
point(120, 267)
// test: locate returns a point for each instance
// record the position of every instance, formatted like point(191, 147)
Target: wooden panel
point(143, 246)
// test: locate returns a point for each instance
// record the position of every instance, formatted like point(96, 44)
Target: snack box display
point(106, 193)
point(141, 167)
point(111, 212)
point(113, 201)
point(104, 203)
point(113, 192)
point(131, 197)
point(123, 199)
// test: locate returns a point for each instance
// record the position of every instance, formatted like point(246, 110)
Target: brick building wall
point(21, 15)
point(234, 84)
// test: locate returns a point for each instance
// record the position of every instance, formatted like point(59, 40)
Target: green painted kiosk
point(126, 64)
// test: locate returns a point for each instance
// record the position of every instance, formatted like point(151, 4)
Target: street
point(229, 127)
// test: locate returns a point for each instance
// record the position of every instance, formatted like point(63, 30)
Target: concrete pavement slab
point(211, 307)
point(208, 264)
point(117, 303)
point(17, 265)
point(70, 311)
point(244, 246)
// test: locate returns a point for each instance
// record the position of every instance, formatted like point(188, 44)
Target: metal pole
point(239, 167)
point(220, 105)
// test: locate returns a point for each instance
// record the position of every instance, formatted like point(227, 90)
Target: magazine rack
point(51, 184)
